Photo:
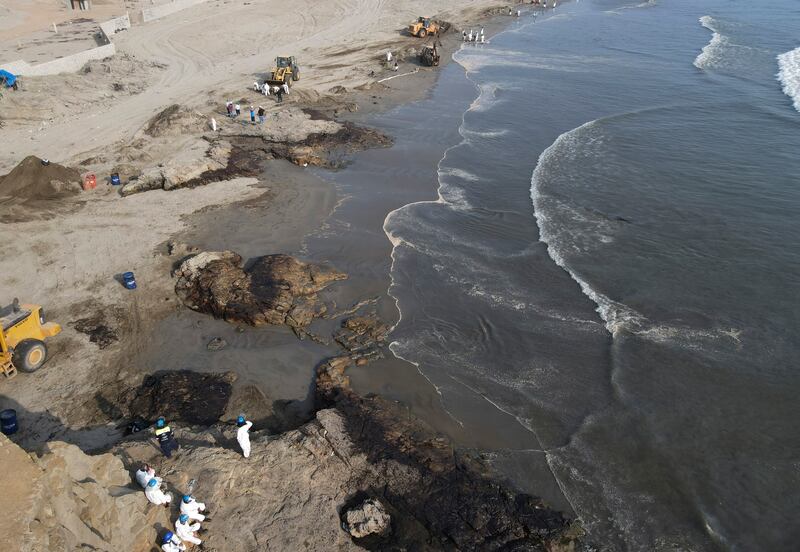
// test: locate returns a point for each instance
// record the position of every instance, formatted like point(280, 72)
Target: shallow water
point(612, 264)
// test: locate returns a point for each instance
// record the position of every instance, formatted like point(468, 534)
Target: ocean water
point(612, 265)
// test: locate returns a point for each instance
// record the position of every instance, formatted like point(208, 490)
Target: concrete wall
point(113, 26)
point(67, 64)
point(73, 63)
point(157, 12)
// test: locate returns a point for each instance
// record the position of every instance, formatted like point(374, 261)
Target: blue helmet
point(161, 422)
point(167, 537)
point(183, 518)
point(187, 499)
point(240, 420)
point(152, 483)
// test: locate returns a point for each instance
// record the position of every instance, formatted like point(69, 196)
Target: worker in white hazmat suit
point(171, 543)
point(192, 508)
point(185, 530)
point(155, 495)
point(144, 474)
point(243, 435)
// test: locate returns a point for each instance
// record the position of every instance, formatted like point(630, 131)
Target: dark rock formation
point(424, 481)
point(363, 338)
point(329, 149)
point(275, 289)
point(183, 396)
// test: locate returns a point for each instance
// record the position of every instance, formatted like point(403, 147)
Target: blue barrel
point(8, 421)
point(129, 280)
point(115, 179)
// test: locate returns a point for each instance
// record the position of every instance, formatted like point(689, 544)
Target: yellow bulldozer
point(423, 27)
point(285, 71)
point(23, 331)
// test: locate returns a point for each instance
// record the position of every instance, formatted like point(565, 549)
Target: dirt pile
point(274, 289)
point(175, 120)
point(33, 179)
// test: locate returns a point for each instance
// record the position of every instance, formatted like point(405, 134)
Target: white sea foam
point(789, 75)
point(711, 51)
point(484, 133)
point(616, 315)
point(459, 173)
point(728, 51)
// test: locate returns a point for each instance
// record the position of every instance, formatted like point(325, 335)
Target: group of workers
point(269, 90)
point(476, 37)
point(191, 511)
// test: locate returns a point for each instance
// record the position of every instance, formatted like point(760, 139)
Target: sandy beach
point(75, 257)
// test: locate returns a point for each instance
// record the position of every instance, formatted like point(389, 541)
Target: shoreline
point(67, 308)
point(214, 222)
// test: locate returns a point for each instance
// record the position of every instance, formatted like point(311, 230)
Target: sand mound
point(32, 179)
point(174, 121)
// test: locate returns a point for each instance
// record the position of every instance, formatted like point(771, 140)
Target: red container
point(89, 181)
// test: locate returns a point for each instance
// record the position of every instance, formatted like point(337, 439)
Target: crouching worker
point(166, 439)
point(192, 508)
point(144, 475)
point(155, 495)
point(185, 530)
point(171, 543)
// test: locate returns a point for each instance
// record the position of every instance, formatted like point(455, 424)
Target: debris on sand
point(216, 344)
point(274, 289)
point(98, 331)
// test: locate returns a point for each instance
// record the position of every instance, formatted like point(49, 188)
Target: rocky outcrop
point(185, 169)
point(363, 338)
point(274, 289)
point(358, 476)
point(306, 139)
point(183, 396)
point(67, 500)
point(362, 474)
point(368, 518)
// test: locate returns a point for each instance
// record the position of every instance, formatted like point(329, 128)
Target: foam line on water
point(616, 315)
point(789, 75)
point(712, 49)
point(485, 99)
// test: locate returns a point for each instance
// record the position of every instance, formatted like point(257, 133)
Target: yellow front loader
point(23, 332)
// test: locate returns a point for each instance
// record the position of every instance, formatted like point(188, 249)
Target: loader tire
point(29, 355)
point(422, 33)
point(296, 75)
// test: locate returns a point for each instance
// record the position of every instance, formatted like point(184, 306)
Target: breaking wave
point(789, 75)
point(560, 239)
point(711, 51)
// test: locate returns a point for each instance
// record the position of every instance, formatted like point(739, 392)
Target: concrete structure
point(74, 62)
